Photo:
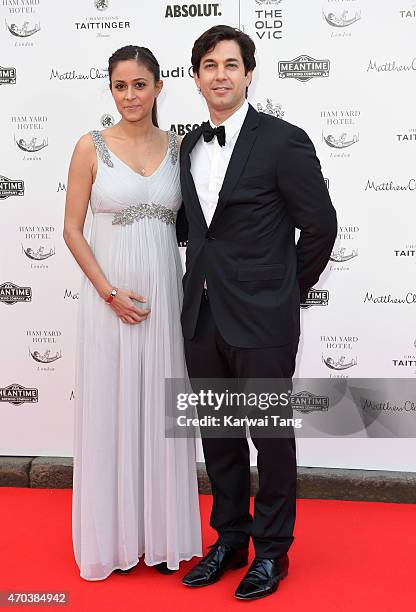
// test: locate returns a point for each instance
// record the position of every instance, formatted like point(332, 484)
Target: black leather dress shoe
point(262, 578)
point(121, 571)
point(220, 559)
point(162, 568)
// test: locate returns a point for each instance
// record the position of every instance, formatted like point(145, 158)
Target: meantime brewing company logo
point(29, 135)
point(207, 9)
point(340, 19)
point(342, 256)
point(43, 350)
point(306, 402)
point(336, 354)
point(16, 395)
point(316, 297)
point(304, 68)
point(21, 21)
point(339, 131)
point(7, 76)
point(36, 245)
point(11, 187)
point(11, 294)
point(102, 25)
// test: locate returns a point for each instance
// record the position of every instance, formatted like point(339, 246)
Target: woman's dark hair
point(142, 55)
point(209, 39)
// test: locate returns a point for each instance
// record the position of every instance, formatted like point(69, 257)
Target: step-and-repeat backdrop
point(344, 70)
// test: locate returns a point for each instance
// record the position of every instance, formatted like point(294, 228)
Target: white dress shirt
point(209, 162)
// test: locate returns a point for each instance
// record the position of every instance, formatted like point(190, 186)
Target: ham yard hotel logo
point(36, 245)
point(16, 395)
point(11, 187)
point(11, 294)
point(345, 249)
point(21, 21)
point(340, 130)
point(7, 76)
point(338, 354)
point(29, 135)
point(341, 20)
point(304, 68)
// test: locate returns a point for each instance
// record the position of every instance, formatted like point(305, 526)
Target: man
point(248, 179)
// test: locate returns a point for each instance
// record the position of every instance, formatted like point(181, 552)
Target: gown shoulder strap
point(101, 148)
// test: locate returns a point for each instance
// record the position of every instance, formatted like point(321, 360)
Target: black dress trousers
point(227, 458)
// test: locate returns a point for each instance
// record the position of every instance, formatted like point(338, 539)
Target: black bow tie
point(209, 132)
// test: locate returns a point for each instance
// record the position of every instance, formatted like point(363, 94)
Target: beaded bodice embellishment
point(104, 154)
point(128, 215)
point(102, 151)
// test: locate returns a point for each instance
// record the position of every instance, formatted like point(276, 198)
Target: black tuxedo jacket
point(256, 274)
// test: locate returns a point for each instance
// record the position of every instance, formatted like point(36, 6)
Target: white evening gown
point(135, 491)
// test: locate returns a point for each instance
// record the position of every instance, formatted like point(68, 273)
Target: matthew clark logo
point(91, 74)
point(390, 185)
point(405, 298)
point(304, 68)
point(340, 130)
point(17, 395)
point(409, 65)
point(29, 135)
point(100, 24)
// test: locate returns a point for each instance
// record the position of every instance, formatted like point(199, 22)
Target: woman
point(135, 491)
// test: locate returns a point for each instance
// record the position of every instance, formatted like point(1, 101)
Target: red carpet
point(347, 556)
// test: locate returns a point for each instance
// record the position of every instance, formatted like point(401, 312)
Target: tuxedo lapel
point(188, 145)
point(241, 151)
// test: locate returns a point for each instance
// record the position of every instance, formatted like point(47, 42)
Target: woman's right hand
point(125, 308)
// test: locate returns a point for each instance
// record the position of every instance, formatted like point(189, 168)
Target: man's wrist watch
point(112, 295)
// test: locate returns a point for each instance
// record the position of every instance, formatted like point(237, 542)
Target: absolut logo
point(7, 76)
point(270, 108)
point(268, 20)
point(316, 297)
point(183, 128)
point(16, 395)
point(409, 136)
point(92, 74)
point(11, 187)
point(206, 9)
point(107, 120)
point(392, 66)
point(11, 294)
point(306, 402)
point(304, 68)
point(371, 185)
